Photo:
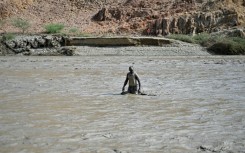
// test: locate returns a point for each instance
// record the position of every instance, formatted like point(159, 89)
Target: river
point(73, 104)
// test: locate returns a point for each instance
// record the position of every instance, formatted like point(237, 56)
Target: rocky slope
point(134, 17)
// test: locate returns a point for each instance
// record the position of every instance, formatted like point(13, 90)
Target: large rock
point(101, 15)
point(234, 32)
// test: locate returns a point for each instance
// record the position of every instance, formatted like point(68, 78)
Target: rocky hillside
point(134, 17)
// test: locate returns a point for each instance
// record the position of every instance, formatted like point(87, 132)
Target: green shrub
point(8, 36)
point(202, 39)
point(54, 28)
point(238, 40)
point(229, 46)
point(185, 38)
point(215, 44)
point(21, 24)
point(73, 30)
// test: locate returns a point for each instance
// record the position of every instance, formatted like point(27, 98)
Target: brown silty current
point(73, 104)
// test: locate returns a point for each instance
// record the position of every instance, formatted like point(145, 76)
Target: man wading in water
point(132, 78)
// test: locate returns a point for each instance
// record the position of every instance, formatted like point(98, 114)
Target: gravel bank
point(175, 49)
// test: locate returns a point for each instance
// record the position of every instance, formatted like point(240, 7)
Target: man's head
point(131, 69)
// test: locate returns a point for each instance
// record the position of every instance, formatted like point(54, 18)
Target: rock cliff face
point(149, 17)
point(195, 23)
point(177, 17)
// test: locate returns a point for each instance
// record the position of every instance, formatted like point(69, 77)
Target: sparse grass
point(85, 35)
point(202, 38)
point(7, 36)
point(181, 37)
point(21, 24)
point(73, 31)
point(54, 28)
point(215, 44)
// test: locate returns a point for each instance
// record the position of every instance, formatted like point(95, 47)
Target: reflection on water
point(73, 104)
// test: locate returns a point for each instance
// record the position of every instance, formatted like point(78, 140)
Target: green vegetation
point(21, 24)
point(54, 28)
point(84, 35)
point(73, 31)
point(7, 36)
point(202, 38)
point(215, 44)
point(228, 46)
point(181, 37)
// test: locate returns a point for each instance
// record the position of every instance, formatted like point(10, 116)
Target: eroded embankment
point(118, 41)
point(47, 45)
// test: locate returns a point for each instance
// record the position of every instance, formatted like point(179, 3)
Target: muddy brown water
point(73, 104)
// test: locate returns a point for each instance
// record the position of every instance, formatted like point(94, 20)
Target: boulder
point(10, 44)
point(236, 33)
point(100, 16)
point(33, 43)
point(67, 51)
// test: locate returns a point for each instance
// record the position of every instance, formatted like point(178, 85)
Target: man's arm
point(125, 83)
point(138, 79)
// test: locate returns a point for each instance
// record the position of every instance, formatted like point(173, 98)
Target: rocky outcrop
point(117, 14)
point(128, 20)
point(152, 17)
point(39, 45)
point(235, 32)
point(195, 23)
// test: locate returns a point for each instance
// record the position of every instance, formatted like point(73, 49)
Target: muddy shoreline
point(47, 45)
